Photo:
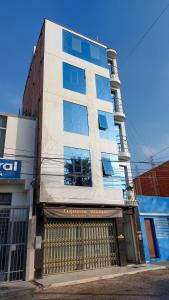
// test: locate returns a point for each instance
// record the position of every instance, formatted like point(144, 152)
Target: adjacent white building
point(17, 150)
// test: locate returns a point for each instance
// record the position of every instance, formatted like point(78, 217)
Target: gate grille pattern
point(13, 237)
point(79, 245)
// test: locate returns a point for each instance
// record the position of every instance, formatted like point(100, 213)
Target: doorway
point(151, 239)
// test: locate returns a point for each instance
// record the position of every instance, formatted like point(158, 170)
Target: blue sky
point(119, 24)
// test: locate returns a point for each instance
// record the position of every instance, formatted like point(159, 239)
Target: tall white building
point(84, 216)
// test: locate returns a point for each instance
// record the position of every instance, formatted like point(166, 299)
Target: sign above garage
point(10, 169)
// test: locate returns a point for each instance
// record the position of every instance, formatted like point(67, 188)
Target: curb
point(86, 280)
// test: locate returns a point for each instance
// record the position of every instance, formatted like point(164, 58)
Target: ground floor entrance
point(13, 242)
point(79, 244)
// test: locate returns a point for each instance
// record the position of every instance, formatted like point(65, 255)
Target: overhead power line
point(147, 31)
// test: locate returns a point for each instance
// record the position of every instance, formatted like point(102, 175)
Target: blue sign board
point(10, 169)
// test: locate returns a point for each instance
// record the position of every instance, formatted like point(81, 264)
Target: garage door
point(79, 245)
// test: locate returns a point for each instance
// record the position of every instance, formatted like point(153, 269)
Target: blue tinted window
point(109, 131)
point(75, 118)
point(107, 167)
point(102, 122)
point(84, 49)
point(111, 171)
point(74, 78)
point(94, 52)
point(77, 167)
point(76, 45)
point(103, 88)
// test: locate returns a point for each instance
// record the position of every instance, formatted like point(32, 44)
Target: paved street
point(147, 285)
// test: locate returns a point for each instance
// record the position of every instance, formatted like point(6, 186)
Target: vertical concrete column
point(30, 238)
point(39, 253)
point(139, 239)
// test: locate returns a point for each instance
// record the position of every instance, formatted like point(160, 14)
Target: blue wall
point(149, 205)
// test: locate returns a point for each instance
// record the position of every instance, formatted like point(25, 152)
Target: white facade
point(54, 138)
point(44, 98)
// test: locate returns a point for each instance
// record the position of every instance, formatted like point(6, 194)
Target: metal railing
point(117, 105)
point(113, 70)
point(123, 144)
point(78, 245)
point(13, 240)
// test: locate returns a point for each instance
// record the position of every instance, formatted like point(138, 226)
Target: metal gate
point(78, 245)
point(13, 239)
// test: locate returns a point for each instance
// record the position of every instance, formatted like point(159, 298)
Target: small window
point(76, 45)
point(103, 122)
point(107, 168)
point(94, 52)
point(5, 198)
point(3, 121)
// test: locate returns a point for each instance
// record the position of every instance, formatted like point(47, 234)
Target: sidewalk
point(59, 280)
point(23, 290)
point(16, 290)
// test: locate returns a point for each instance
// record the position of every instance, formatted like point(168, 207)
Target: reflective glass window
point(94, 52)
point(74, 78)
point(76, 44)
point(84, 49)
point(106, 125)
point(103, 91)
point(111, 171)
point(77, 167)
point(75, 118)
point(107, 167)
point(102, 122)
